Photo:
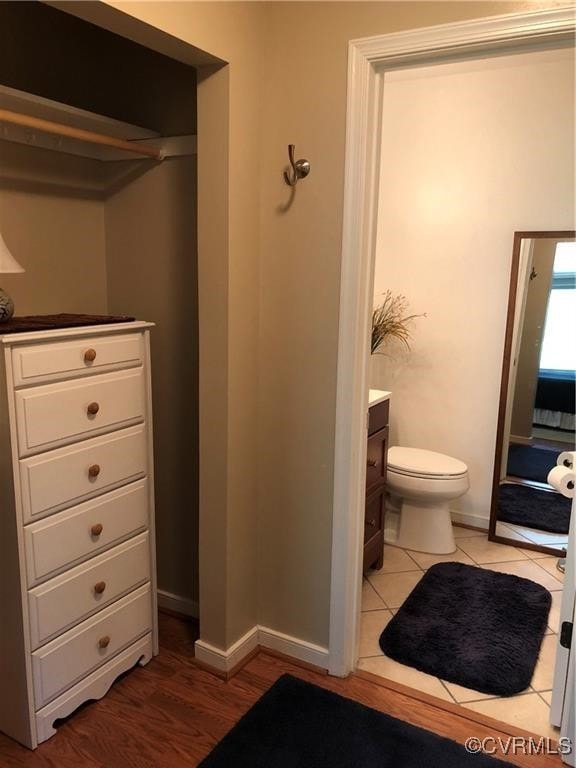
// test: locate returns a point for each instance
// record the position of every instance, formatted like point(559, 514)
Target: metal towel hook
point(300, 168)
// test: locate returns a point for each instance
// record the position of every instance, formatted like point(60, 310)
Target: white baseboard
point(178, 604)
point(293, 646)
point(465, 518)
point(226, 660)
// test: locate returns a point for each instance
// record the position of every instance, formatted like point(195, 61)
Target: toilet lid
point(420, 463)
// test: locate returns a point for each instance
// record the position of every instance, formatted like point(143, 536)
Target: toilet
point(420, 485)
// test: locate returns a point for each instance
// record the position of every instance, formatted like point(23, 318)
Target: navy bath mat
point(299, 725)
point(543, 510)
point(471, 626)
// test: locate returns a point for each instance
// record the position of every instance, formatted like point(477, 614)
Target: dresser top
point(98, 326)
point(27, 323)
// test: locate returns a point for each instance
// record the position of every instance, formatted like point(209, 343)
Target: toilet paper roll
point(562, 479)
point(566, 459)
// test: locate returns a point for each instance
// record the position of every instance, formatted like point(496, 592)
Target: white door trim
point(367, 60)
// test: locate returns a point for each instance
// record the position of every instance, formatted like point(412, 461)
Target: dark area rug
point(298, 725)
point(531, 463)
point(471, 626)
point(523, 505)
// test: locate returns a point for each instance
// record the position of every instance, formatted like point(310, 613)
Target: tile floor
point(385, 590)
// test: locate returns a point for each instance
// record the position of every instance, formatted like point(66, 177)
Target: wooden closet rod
point(47, 126)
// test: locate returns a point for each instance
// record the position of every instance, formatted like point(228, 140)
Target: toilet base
point(426, 528)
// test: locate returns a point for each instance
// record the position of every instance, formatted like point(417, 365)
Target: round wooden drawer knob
point(104, 642)
point(89, 355)
point(372, 523)
point(99, 587)
point(93, 409)
point(94, 470)
point(96, 529)
point(372, 463)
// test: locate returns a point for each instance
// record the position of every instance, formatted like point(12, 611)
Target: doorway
point(368, 61)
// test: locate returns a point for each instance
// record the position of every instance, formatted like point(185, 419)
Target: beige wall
point(455, 186)
point(52, 218)
point(305, 103)
point(269, 290)
point(152, 274)
point(229, 135)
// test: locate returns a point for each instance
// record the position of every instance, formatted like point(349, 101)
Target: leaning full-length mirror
point(536, 420)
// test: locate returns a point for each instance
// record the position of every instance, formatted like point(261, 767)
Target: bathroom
point(447, 247)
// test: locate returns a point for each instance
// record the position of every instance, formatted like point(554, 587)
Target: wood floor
point(171, 713)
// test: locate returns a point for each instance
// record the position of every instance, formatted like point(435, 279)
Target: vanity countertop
point(376, 396)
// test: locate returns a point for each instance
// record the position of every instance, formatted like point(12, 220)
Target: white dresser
point(77, 563)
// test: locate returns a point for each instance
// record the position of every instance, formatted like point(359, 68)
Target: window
point(558, 356)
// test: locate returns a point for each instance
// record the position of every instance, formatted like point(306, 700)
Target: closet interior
point(98, 204)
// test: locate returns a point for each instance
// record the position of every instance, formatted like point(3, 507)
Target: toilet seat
point(417, 462)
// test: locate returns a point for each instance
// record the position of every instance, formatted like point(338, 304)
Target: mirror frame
point(492, 535)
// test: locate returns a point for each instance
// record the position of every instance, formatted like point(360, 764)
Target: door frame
point(368, 59)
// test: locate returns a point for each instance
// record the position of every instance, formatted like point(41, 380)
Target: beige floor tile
point(543, 677)
point(394, 588)
point(399, 673)
point(549, 564)
point(528, 569)
point(425, 560)
point(466, 533)
point(462, 694)
point(396, 560)
point(547, 696)
point(483, 551)
point(554, 617)
point(527, 711)
point(371, 625)
point(371, 600)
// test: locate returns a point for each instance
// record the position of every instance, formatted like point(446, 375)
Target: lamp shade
point(7, 262)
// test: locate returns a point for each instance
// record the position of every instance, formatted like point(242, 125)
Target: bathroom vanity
point(376, 461)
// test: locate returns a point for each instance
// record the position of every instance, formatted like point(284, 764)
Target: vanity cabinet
point(77, 562)
point(376, 461)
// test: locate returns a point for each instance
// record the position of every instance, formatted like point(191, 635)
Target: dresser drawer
point(68, 599)
point(67, 476)
point(35, 363)
point(66, 539)
point(54, 414)
point(62, 662)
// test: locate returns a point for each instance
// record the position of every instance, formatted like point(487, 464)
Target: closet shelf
point(35, 121)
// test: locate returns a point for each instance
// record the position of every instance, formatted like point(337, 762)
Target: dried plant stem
point(389, 320)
